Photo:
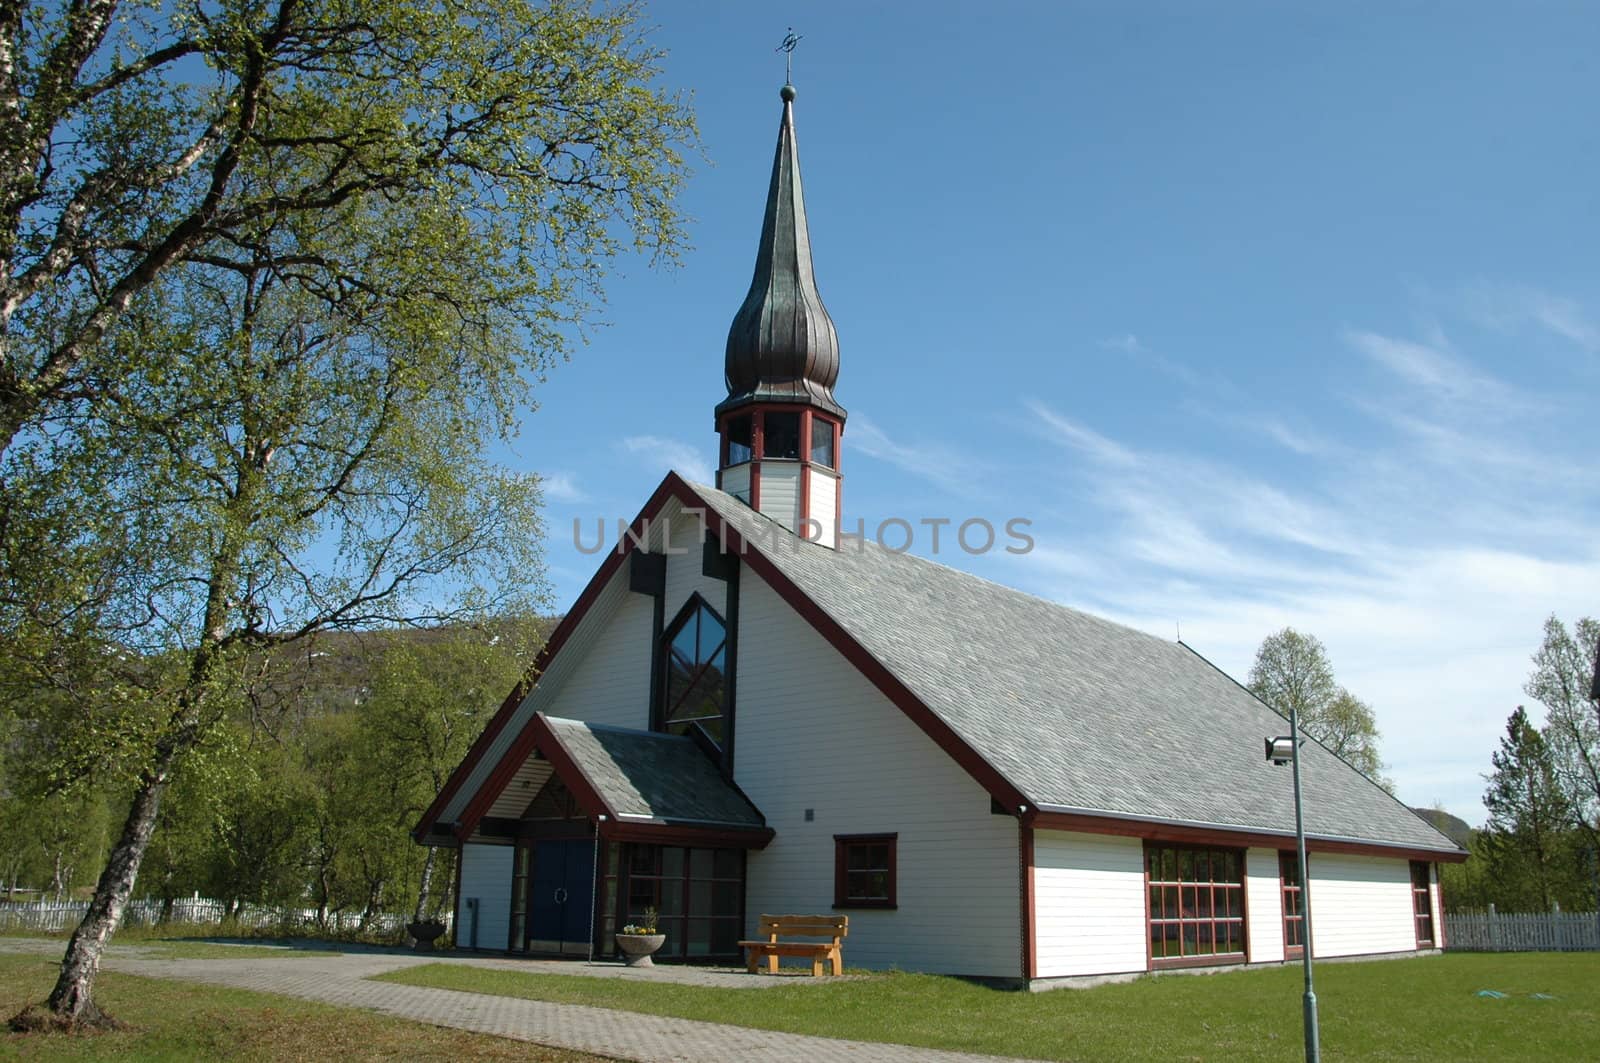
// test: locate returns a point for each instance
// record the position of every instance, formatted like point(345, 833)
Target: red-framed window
point(695, 682)
point(1294, 911)
point(1195, 904)
point(864, 870)
point(1422, 901)
point(784, 434)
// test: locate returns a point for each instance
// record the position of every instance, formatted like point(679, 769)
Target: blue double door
point(561, 896)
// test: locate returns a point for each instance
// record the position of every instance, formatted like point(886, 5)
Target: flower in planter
point(646, 927)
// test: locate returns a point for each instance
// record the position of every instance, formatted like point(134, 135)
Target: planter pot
point(638, 948)
point(424, 934)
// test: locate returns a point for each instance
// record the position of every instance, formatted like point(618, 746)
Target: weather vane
point(787, 48)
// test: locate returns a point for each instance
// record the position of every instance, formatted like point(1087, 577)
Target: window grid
point(864, 871)
point(1422, 902)
point(1294, 920)
point(1196, 904)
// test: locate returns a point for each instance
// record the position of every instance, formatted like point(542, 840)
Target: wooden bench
point(834, 927)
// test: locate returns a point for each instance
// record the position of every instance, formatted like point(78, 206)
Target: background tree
point(1563, 681)
point(1292, 670)
point(1530, 815)
point(264, 368)
point(138, 137)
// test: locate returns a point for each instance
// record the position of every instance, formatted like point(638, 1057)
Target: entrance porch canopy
point(633, 786)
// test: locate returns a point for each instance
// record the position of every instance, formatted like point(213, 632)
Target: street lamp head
point(1280, 750)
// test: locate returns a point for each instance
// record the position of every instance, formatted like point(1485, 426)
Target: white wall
point(780, 492)
point(813, 733)
point(736, 481)
point(824, 505)
point(1263, 906)
point(1435, 899)
point(610, 683)
point(1360, 905)
point(1088, 904)
point(486, 875)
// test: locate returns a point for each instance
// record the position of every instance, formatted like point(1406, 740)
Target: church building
point(748, 712)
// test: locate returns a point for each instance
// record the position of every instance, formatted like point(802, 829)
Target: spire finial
point(787, 48)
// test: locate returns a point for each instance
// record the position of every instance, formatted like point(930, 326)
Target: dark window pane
point(725, 898)
point(726, 863)
point(781, 435)
point(724, 937)
point(672, 862)
point(699, 863)
point(739, 439)
point(822, 441)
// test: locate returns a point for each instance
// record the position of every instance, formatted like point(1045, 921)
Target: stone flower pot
point(424, 934)
point(638, 948)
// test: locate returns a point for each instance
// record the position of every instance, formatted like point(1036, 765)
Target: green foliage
point(1564, 670)
point(143, 138)
point(1292, 671)
point(1529, 839)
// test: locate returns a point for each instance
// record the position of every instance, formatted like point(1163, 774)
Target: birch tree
point(1292, 669)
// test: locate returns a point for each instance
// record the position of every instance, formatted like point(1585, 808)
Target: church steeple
point(780, 424)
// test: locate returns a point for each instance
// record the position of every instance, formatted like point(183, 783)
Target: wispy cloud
point(1504, 306)
point(562, 487)
point(1438, 512)
point(688, 461)
point(938, 463)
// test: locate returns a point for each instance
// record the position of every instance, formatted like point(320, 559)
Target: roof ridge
point(963, 573)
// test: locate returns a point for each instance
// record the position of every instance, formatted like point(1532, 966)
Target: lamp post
point(1287, 750)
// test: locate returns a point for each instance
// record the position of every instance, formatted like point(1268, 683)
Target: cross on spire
point(787, 48)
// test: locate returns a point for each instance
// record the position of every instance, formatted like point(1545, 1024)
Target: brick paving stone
point(344, 980)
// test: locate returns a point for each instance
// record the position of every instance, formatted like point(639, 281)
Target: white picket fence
point(201, 911)
point(1494, 931)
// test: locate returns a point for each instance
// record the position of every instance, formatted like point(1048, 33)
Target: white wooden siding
point(824, 505)
point(814, 734)
point(686, 573)
point(610, 684)
point(486, 875)
point(736, 481)
point(1360, 905)
point(519, 792)
point(1088, 904)
point(780, 492)
point(1434, 899)
point(1263, 906)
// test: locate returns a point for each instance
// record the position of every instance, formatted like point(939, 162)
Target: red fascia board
point(615, 830)
point(1165, 832)
point(558, 638)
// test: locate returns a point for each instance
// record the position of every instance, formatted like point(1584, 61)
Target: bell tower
point(780, 426)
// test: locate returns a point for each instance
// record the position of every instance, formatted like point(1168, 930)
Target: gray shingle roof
point(1079, 713)
point(647, 776)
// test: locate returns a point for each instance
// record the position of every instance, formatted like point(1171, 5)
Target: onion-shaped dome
point(782, 346)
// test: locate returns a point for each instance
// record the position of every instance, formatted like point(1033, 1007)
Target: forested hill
point(1455, 828)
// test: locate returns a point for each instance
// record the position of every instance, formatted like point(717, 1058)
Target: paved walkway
point(343, 980)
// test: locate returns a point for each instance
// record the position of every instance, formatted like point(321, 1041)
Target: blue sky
point(1264, 314)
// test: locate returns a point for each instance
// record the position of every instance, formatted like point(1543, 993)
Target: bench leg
point(838, 961)
point(752, 957)
point(816, 965)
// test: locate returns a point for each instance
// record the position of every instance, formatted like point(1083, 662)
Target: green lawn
point(171, 1020)
point(1413, 1009)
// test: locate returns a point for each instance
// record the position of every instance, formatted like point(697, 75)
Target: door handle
point(560, 895)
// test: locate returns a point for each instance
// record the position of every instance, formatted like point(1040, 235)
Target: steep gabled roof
point(1081, 714)
point(1055, 712)
point(644, 777)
